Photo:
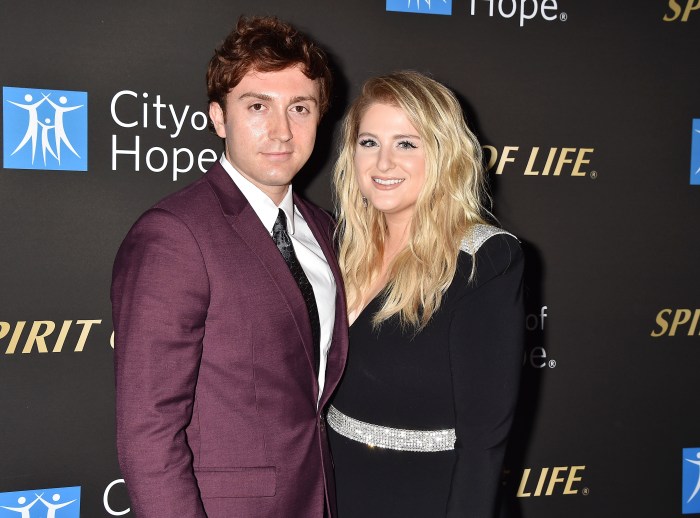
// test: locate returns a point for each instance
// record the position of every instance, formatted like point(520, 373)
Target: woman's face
point(389, 161)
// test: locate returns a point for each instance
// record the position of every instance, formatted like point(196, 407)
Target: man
point(224, 356)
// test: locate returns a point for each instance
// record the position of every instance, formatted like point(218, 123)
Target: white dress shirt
point(307, 251)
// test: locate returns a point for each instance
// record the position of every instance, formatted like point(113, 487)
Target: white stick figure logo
point(59, 133)
point(426, 1)
point(698, 171)
point(697, 486)
point(24, 510)
point(51, 507)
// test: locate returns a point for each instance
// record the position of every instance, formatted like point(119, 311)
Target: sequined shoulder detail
point(478, 235)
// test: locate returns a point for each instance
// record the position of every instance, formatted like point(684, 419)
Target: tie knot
point(280, 222)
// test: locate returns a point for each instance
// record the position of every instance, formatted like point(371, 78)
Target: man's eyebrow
point(262, 97)
point(301, 98)
point(266, 97)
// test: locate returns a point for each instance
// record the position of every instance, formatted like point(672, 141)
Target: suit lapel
point(339, 342)
point(245, 222)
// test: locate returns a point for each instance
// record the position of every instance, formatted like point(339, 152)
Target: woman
point(418, 426)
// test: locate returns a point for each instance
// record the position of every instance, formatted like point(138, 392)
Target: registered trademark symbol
point(552, 363)
point(585, 491)
point(563, 17)
point(593, 175)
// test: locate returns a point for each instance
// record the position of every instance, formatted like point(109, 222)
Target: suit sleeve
point(486, 344)
point(160, 294)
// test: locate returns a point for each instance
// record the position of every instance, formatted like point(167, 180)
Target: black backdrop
point(608, 89)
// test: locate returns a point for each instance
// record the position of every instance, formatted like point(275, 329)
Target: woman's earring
point(364, 202)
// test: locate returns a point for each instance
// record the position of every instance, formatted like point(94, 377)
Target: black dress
point(461, 372)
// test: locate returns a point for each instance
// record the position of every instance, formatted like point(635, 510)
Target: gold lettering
point(533, 155)
point(676, 11)
point(550, 160)
point(15, 337)
point(506, 158)
point(540, 482)
point(681, 317)
point(663, 325)
point(555, 479)
point(523, 482)
point(36, 337)
point(573, 478)
point(692, 5)
point(62, 336)
point(87, 325)
point(694, 324)
point(4, 329)
point(580, 160)
point(493, 156)
point(563, 160)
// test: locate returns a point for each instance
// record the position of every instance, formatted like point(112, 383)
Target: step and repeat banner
point(589, 112)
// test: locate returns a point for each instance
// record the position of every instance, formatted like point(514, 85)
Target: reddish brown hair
point(265, 44)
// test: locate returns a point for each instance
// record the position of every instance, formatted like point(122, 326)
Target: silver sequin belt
point(391, 438)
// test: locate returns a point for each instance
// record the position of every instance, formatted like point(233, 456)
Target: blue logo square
point(44, 129)
point(420, 6)
point(695, 154)
point(691, 480)
point(61, 502)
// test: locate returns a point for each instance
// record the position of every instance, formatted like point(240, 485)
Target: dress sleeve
point(160, 294)
point(486, 347)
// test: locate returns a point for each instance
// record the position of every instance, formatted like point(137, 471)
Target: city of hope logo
point(60, 502)
point(695, 154)
point(525, 11)
point(691, 480)
point(420, 6)
point(44, 129)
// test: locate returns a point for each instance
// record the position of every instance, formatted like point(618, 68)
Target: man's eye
point(257, 107)
point(300, 109)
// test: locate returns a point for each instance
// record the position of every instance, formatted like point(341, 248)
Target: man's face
point(270, 127)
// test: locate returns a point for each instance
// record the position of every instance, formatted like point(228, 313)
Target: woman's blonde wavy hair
point(448, 205)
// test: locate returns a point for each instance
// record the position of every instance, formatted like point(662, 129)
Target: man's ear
point(216, 114)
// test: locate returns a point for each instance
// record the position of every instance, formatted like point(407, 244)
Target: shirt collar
point(263, 206)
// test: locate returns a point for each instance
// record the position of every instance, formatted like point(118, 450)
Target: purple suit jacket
point(216, 392)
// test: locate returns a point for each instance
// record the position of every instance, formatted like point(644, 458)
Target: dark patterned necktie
point(284, 243)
